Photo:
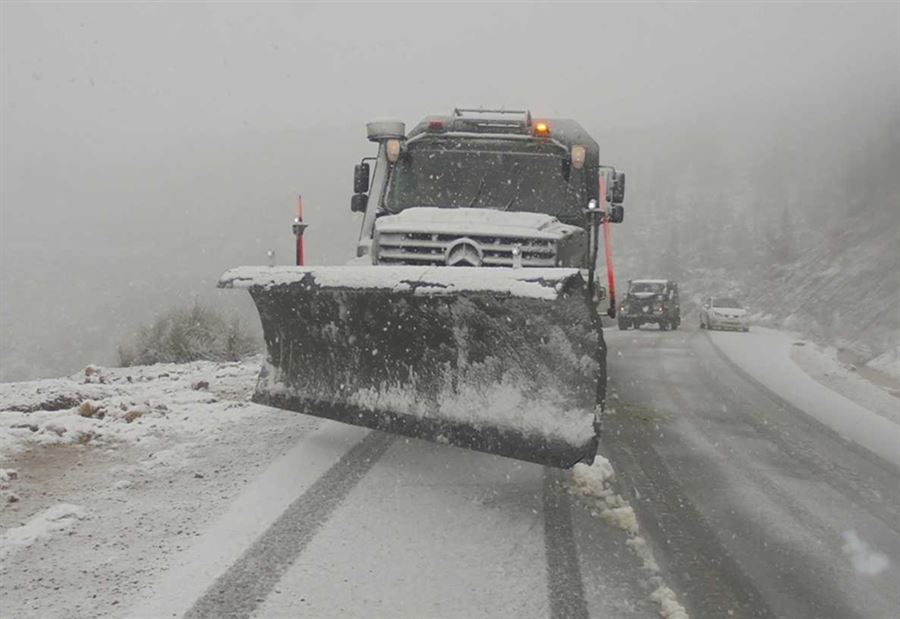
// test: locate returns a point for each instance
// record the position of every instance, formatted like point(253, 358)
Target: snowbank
point(668, 603)
point(106, 405)
point(854, 382)
point(888, 362)
point(594, 481)
point(765, 354)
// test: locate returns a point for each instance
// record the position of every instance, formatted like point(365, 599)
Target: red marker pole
point(607, 245)
point(299, 228)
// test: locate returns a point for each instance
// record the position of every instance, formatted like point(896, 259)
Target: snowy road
point(747, 500)
point(749, 506)
point(752, 508)
point(409, 529)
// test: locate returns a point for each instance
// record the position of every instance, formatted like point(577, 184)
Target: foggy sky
point(147, 148)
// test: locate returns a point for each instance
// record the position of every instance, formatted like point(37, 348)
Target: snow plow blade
point(505, 361)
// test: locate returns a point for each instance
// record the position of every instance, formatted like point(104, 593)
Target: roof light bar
point(493, 118)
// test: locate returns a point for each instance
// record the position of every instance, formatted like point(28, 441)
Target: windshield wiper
point(477, 193)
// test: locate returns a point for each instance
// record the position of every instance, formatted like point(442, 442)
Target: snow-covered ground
point(105, 407)
point(101, 474)
point(888, 362)
point(819, 385)
point(109, 466)
point(880, 393)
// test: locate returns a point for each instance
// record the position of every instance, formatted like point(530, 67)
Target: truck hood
point(474, 221)
point(640, 296)
point(730, 311)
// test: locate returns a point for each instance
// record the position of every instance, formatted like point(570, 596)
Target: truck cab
point(481, 188)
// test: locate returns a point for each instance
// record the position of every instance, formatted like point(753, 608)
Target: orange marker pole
point(607, 245)
point(298, 231)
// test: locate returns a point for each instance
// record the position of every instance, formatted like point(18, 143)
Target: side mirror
point(616, 213)
point(361, 178)
point(616, 192)
point(358, 202)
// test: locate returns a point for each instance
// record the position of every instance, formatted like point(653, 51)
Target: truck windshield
point(513, 175)
point(647, 287)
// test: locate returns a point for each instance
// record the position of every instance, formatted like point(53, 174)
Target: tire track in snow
point(816, 600)
point(822, 574)
point(564, 584)
point(247, 583)
point(858, 484)
point(703, 572)
point(691, 555)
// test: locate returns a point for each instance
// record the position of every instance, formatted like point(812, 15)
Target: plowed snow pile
point(594, 482)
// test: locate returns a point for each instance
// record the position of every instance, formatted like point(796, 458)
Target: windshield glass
point(645, 287)
point(514, 175)
point(726, 302)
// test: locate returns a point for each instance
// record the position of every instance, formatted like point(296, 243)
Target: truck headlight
point(392, 150)
point(578, 156)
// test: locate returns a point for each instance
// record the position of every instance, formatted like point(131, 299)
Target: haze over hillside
point(146, 148)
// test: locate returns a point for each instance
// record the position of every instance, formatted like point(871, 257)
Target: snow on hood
point(644, 295)
point(731, 311)
point(465, 221)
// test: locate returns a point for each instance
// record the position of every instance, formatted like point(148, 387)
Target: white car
point(724, 313)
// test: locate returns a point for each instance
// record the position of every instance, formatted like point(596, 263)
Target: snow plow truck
point(504, 356)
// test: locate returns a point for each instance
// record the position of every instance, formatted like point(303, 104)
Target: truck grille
point(431, 249)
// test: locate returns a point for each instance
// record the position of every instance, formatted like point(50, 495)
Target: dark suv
point(650, 300)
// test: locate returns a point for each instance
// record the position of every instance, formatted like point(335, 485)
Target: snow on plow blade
point(506, 361)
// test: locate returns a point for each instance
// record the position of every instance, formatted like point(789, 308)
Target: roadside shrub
point(188, 334)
